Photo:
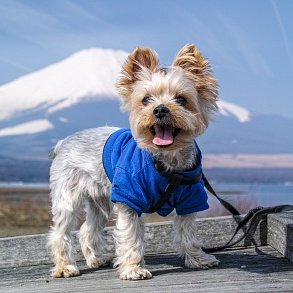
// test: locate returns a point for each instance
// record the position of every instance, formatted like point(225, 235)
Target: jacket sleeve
point(126, 189)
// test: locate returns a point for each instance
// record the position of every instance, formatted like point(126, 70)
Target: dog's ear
point(140, 60)
point(141, 57)
point(189, 58)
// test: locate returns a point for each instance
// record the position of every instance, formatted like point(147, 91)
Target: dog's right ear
point(141, 60)
point(190, 59)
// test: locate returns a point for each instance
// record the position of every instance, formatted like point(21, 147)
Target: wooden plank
point(31, 250)
point(244, 270)
point(280, 233)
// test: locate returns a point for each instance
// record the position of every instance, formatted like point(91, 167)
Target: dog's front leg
point(129, 240)
point(187, 244)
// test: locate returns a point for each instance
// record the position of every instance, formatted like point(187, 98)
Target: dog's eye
point(180, 100)
point(146, 100)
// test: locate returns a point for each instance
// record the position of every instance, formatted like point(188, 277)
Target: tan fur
point(190, 76)
point(139, 59)
point(189, 58)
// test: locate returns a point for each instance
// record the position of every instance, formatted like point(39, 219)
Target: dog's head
point(168, 106)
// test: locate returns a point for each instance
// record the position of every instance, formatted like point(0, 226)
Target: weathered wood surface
point(31, 250)
point(241, 270)
point(280, 233)
point(25, 263)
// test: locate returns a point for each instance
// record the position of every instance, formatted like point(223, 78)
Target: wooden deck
point(25, 264)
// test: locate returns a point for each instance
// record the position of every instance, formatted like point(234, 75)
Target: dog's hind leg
point(129, 238)
point(187, 244)
point(65, 210)
point(91, 234)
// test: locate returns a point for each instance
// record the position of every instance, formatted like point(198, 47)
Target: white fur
point(187, 244)
point(78, 181)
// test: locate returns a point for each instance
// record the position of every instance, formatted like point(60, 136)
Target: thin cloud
point(77, 9)
point(16, 65)
point(283, 31)
point(256, 62)
point(18, 17)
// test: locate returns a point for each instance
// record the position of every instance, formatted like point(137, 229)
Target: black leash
point(245, 224)
point(176, 179)
point(250, 220)
point(253, 217)
point(224, 203)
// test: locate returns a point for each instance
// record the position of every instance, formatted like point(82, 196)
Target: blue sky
point(249, 43)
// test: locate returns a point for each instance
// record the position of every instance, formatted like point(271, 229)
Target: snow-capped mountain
point(39, 108)
point(88, 74)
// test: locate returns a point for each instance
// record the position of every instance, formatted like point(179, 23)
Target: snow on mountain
point(84, 75)
point(228, 109)
point(31, 127)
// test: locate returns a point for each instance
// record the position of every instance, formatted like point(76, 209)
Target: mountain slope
point(38, 109)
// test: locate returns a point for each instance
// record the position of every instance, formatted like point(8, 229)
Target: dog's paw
point(201, 261)
point(65, 272)
point(99, 262)
point(135, 273)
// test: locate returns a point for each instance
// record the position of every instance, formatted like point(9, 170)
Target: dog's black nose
point(161, 111)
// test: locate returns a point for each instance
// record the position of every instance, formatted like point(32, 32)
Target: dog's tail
point(54, 151)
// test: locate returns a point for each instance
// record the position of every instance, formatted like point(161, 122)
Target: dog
point(168, 108)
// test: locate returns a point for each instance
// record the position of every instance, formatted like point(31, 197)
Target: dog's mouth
point(164, 134)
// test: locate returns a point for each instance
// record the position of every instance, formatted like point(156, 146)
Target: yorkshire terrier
point(110, 168)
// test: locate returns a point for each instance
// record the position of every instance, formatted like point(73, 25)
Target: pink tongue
point(163, 135)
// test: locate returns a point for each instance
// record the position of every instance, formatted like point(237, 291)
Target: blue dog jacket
point(137, 183)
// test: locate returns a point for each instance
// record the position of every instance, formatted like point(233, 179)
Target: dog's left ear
point(189, 58)
point(141, 60)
